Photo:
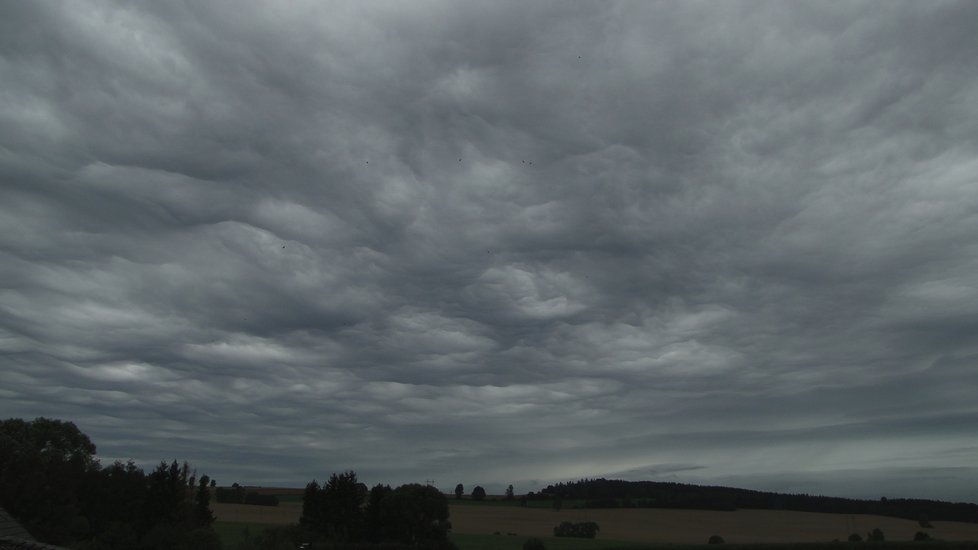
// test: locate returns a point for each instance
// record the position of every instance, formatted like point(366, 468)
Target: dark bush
point(233, 495)
point(533, 544)
point(921, 536)
point(258, 499)
point(583, 530)
point(876, 535)
point(238, 495)
point(716, 539)
point(855, 537)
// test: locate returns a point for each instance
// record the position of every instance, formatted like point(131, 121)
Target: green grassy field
point(232, 533)
point(506, 542)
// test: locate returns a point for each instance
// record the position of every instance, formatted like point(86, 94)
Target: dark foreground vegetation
point(581, 530)
point(607, 493)
point(51, 482)
point(344, 514)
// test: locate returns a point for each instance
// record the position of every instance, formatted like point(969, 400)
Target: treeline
point(239, 495)
point(343, 513)
point(613, 493)
point(51, 482)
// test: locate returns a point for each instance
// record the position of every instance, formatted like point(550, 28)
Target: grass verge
point(509, 542)
point(233, 533)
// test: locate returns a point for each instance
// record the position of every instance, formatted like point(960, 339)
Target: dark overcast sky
point(498, 242)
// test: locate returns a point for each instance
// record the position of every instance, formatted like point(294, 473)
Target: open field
point(285, 512)
point(505, 542)
point(283, 494)
point(663, 526)
point(500, 501)
point(232, 534)
point(489, 542)
point(696, 526)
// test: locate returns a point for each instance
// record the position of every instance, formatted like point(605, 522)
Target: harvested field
point(283, 494)
point(285, 512)
point(696, 526)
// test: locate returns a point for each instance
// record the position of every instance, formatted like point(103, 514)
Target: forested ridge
point(614, 493)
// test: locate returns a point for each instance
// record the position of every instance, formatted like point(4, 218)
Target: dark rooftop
point(13, 536)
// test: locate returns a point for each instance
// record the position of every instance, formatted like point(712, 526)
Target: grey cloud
point(690, 241)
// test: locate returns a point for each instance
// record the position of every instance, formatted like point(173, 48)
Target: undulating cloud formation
point(498, 242)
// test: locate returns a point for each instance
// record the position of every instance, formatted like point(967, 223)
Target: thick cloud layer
point(498, 243)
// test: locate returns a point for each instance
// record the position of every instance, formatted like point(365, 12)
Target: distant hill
point(616, 493)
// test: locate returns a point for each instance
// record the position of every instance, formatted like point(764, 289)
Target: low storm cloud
point(498, 242)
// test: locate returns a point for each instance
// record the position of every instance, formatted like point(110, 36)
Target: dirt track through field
point(649, 525)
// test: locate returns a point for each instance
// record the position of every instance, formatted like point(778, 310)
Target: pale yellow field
point(650, 525)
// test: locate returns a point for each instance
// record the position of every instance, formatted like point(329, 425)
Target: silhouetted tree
point(313, 513)
point(51, 482)
point(112, 500)
point(166, 497)
point(459, 491)
point(342, 500)
point(855, 537)
point(42, 464)
point(876, 535)
point(715, 539)
point(203, 517)
point(374, 515)
point(478, 493)
point(415, 513)
point(509, 493)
